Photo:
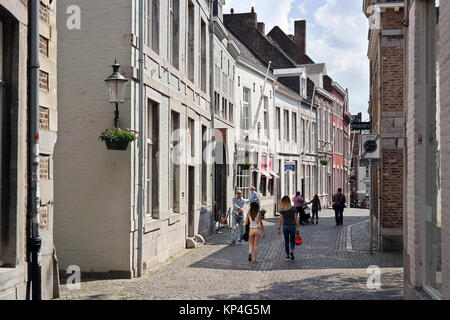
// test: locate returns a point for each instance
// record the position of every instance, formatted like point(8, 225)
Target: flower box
point(116, 145)
point(324, 162)
point(117, 139)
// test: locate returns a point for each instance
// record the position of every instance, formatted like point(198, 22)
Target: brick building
point(15, 170)
point(426, 211)
point(386, 55)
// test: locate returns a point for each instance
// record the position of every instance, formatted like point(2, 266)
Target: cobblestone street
point(323, 269)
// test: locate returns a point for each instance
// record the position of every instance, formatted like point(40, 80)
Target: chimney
point(300, 36)
point(232, 11)
point(262, 27)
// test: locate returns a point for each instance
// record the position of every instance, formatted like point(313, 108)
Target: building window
point(286, 125)
point(174, 32)
point(43, 45)
point(294, 127)
point(246, 110)
point(174, 172)
point(231, 111)
point(204, 166)
point(303, 129)
point(278, 119)
point(152, 167)
point(303, 87)
point(191, 128)
point(224, 108)
point(152, 24)
point(191, 41)
point(203, 55)
point(216, 103)
point(266, 117)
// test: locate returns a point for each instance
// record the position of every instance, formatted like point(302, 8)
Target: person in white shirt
point(254, 196)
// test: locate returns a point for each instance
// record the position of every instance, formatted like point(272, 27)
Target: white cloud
point(270, 12)
point(342, 45)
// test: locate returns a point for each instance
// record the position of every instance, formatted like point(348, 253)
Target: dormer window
point(303, 87)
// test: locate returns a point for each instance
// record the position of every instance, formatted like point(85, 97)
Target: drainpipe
point(380, 238)
point(212, 98)
point(33, 165)
point(317, 153)
point(141, 191)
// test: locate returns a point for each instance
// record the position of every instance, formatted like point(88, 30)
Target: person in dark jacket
point(339, 201)
point(316, 207)
point(288, 217)
point(299, 204)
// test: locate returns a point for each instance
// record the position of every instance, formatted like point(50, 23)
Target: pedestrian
point(299, 203)
point(237, 220)
point(256, 226)
point(339, 201)
point(316, 207)
point(254, 196)
point(288, 217)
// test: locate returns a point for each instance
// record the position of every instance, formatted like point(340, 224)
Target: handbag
point(298, 239)
point(247, 233)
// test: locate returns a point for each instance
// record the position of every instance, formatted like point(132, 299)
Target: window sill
point(174, 218)
point(151, 225)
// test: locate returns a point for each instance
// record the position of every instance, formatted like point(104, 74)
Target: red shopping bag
point(298, 240)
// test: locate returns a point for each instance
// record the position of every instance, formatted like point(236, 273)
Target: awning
point(274, 174)
point(268, 176)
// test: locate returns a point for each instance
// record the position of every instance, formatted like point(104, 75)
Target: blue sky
point(336, 34)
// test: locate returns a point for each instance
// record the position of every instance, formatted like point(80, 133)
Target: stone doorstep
point(195, 242)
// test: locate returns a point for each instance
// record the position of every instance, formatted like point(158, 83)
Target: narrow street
point(324, 269)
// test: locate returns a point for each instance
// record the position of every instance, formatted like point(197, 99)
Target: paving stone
point(323, 269)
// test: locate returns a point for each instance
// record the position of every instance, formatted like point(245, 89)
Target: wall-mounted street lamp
point(116, 84)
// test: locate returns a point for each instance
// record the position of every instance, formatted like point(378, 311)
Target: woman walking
point(288, 217)
point(256, 226)
point(316, 207)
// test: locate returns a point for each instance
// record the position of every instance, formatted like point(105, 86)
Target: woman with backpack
point(288, 217)
point(316, 207)
point(255, 223)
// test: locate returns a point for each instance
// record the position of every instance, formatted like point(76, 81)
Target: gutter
point(33, 207)
point(141, 191)
point(211, 107)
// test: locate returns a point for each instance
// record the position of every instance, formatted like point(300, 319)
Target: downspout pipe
point(212, 103)
point(35, 242)
point(141, 191)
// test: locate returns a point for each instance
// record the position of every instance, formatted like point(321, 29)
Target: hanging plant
point(117, 139)
point(245, 165)
point(324, 162)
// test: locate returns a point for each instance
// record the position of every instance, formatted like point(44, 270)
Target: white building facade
point(98, 193)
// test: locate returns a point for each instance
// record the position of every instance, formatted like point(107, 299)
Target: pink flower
point(119, 129)
point(128, 129)
point(103, 132)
